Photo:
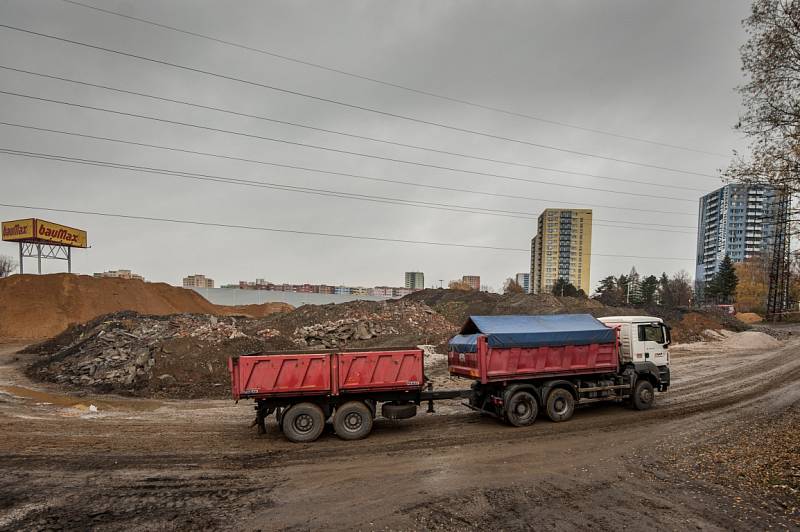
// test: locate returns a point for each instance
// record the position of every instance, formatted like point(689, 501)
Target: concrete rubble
point(337, 333)
point(118, 350)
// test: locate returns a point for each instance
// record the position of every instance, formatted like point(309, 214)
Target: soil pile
point(749, 317)
point(40, 306)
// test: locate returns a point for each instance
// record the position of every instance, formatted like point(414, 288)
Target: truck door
point(650, 344)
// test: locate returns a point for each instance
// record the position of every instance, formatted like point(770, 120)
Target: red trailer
point(306, 388)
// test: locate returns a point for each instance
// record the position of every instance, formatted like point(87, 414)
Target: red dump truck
point(520, 365)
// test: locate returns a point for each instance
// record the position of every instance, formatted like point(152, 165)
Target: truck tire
point(560, 404)
point(303, 422)
point(395, 411)
point(521, 409)
point(352, 421)
point(643, 395)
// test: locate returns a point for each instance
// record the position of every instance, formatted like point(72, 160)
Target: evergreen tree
point(665, 296)
point(633, 295)
point(726, 280)
point(648, 289)
point(608, 292)
point(563, 287)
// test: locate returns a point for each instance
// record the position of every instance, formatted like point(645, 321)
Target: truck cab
point(644, 343)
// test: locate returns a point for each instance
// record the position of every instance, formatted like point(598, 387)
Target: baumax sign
point(35, 230)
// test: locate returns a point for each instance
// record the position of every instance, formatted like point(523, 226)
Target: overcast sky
point(662, 71)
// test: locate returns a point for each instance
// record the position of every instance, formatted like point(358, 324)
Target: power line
point(359, 107)
point(466, 209)
point(336, 150)
point(396, 85)
point(538, 199)
point(345, 134)
point(302, 232)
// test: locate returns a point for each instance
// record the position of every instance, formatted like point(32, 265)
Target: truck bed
point(325, 372)
point(492, 364)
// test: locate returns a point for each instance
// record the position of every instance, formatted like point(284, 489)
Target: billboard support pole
point(39, 257)
point(69, 260)
point(20, 259)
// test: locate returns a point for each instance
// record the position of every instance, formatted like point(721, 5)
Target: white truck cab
point(644, 340)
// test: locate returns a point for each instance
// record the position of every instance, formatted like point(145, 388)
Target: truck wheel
point(352, 421)
point(560, 404)
point(303, 422)
point(643, 395)
point(521, 409)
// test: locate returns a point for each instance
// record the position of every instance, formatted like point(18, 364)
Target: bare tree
point(511, 286)
point(771, 99)
point(7, 266)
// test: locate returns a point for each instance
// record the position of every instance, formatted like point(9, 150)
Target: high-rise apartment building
point(524, 280)
point(734, 220)
point(415, 280)
point(561, 249)
point(198, 281)
point(474, 281)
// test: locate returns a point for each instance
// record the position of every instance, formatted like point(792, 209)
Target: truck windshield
point(651, 333)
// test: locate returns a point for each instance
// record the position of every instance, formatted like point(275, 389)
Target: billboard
point(43, 232)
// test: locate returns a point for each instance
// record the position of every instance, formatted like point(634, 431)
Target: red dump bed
point(492, 364)
point(325, 373)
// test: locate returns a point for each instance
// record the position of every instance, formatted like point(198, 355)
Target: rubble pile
point(369, 323)
point(118, 352)
point(337, 333)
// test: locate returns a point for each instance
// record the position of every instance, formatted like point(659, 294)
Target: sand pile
point(41, 306)
point(749, 317)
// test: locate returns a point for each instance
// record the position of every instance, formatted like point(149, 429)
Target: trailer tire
point(352, 420)
point(303, 422)
point(521, 409)
point(560, 404)
point(643, 395)
point(398, 411)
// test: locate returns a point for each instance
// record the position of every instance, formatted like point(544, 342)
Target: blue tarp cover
point(532, 331)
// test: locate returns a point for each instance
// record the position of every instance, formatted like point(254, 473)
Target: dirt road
point(139, 464)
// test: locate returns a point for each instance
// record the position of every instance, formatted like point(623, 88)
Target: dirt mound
point(456, 306)
point(39, 306)
point(749, 317)
point(253, 311)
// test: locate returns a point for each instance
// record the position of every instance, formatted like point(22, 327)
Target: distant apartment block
point(415, 280)
point(120, 274)
point(474, 281)
point(733, 220)
point(198, 281)
point(524, 280)
point(388, 291)
point(561, 249)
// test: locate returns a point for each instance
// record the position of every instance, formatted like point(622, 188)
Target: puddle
point(80, 403)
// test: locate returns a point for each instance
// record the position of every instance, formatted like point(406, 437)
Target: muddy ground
point(718, 452)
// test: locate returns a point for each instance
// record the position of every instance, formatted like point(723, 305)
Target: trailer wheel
point(352, 421)
point(521, 409)
point(303, 422)
point(643, 395)
point(560, 405)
